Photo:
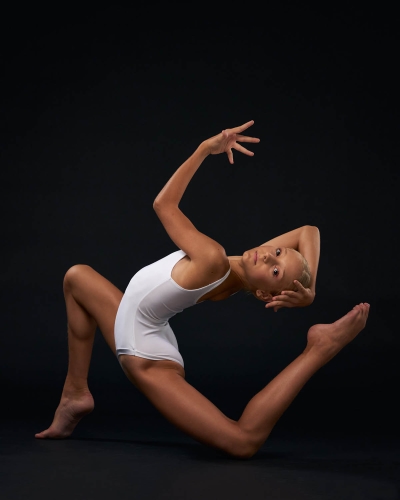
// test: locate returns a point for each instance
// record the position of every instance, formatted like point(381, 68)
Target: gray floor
point(126, 458)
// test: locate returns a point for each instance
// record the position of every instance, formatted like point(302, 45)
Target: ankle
point(73, 388)
point(319, 354)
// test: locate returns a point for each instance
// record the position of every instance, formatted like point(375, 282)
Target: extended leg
point(163, 383)
point(91, 301)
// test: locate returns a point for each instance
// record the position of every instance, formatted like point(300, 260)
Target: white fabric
point(150, 300)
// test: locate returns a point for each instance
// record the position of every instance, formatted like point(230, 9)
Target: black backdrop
point(99, 107)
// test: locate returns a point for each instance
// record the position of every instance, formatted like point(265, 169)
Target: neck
point(233, 283)
point(236, 270)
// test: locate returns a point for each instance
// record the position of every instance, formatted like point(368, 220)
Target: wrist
point(204, 149)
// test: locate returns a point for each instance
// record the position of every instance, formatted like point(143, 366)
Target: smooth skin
point(93, 301)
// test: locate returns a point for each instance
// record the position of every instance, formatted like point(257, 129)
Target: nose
point(268, 256)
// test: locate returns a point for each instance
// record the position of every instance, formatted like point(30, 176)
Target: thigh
point(163, 383)
point(98, 296)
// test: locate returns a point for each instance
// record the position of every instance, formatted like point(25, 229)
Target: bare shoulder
point(196, 273)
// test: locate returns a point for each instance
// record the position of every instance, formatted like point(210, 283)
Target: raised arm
point(306, 240)
point(166, 205)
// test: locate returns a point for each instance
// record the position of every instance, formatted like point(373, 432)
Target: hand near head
point(302, 297)
point(228, 139)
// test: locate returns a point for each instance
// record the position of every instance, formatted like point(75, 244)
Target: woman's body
point(265, 271)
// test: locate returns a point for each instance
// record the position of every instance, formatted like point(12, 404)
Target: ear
point(264, 296)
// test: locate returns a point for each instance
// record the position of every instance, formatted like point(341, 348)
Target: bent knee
point(243, 452)
point(74, 274)
point(242, 446)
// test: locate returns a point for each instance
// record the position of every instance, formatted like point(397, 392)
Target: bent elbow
point(160, 205)
point(316, 230)
point(312, 228)
point(156, 205)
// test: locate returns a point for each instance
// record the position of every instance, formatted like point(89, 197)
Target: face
point(270, 269)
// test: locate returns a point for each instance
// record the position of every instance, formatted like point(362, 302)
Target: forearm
point(172, 192)
point(309, 247)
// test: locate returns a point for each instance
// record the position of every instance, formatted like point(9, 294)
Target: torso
point(191, 276)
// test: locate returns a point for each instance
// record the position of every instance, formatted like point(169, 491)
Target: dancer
point(281, 273)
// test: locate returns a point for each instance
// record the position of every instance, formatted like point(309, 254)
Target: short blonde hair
point(305, 277)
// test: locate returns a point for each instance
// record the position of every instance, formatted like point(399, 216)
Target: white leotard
point(150, 300)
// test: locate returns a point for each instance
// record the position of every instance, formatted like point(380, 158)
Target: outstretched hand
point(302, 297)
point(228, 139)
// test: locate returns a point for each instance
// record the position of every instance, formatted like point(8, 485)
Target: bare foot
point(69, 412)
point(329, 339)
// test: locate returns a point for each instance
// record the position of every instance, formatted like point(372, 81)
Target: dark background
point(99, 107)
